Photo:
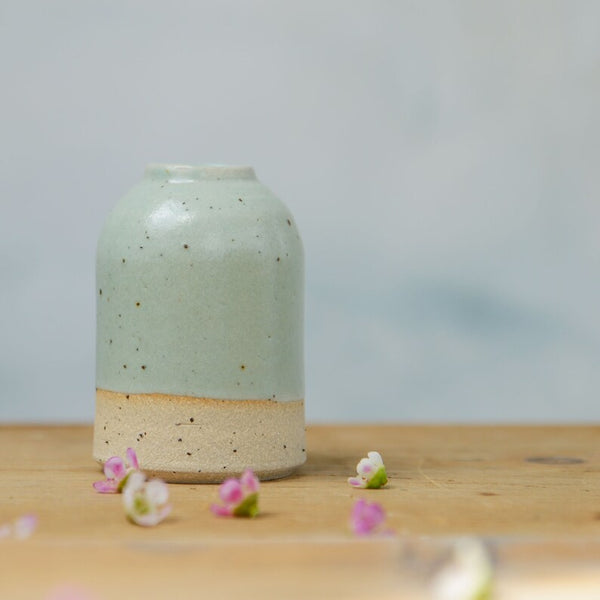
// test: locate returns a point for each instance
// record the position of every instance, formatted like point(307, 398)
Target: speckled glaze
point(200, 327)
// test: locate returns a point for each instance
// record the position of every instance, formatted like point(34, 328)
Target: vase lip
point(177, 173)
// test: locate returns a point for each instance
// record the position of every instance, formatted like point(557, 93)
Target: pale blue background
point(441, 159)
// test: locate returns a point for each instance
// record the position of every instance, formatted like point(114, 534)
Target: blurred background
point(440, 158)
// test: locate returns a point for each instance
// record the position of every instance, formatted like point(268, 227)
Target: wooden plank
point(531, 492)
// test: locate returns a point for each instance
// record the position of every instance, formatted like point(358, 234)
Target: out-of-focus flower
point(19, 529)
point(239, 496)
point(145, 502)
point(117, 472)
point(467, 575)
point(70, 592)
point(371, 472)
point(368, 518)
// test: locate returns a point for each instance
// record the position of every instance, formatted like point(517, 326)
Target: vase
point(200, 277)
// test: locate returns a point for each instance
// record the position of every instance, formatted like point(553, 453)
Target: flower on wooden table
point(371, 472)
point(467, 575)
point(239, 496)
point(145, 502)
point(70, 592)
point(368, 518)
point(19, 529)
point(117, 472)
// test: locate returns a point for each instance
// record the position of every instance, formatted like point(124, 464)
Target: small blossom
point(145, 502)
point(19, 529)
point(117, 472)
point(239, 496)
point(371, 472)
point(368, 518)
point(467, 575)
point(69, 592)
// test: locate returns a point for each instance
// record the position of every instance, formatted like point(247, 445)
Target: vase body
point(200, 299)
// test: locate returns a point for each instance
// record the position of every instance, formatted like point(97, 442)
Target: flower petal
point(375, 458)
point(135, 483)
point(366, 518)
point(25, 526)
point(231, 491)
point(157, 491)
point(356, 482)
point(114, 468)
point(365, 467)
point(107, 486)
point(250, 481)
point(152, 518)
point(132, 459)
point(221, 511)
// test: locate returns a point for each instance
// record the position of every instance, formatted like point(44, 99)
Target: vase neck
point(189, 173)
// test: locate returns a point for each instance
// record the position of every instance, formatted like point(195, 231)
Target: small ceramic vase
point(200, 299)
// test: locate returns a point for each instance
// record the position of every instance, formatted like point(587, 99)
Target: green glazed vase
point(200, 295)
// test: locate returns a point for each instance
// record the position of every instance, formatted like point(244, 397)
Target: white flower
point(145, 502)
point(467, 575)
point(371, 472)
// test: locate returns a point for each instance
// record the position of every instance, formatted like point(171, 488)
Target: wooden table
point(532, 494)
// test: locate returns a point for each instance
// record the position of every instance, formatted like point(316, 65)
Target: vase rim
point(178, 173)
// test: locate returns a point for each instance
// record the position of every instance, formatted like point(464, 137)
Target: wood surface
point(532, 494)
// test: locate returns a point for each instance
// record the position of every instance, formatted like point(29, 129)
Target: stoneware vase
point(200, 282)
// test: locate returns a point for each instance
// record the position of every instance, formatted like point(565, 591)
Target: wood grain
point(532, 493)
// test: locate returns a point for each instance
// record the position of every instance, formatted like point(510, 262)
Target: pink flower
point(145, 502)
point(367, 518)
point(240, 496)
point(69, 592)
point(371, 472)
point(19, 529)
point(117, 472)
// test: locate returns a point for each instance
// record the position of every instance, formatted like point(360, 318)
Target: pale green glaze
point(200, 288)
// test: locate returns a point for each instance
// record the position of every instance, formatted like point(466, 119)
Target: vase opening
point(174, 173)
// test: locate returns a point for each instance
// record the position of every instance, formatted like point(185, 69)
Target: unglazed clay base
point(200, 440)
